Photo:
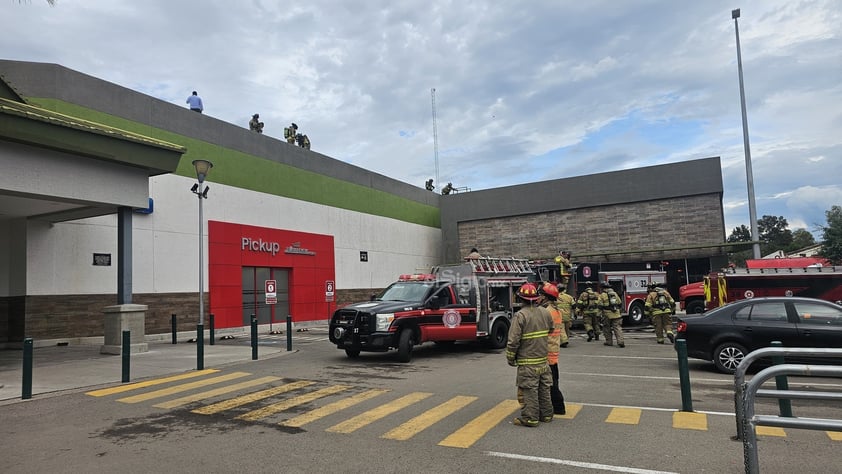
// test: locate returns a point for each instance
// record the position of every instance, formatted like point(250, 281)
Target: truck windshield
point(406, 291)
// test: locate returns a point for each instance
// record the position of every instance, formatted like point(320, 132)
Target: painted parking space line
point(364, 419)
point(624, 416)
point(332, 408)
point(164, 392)
point(216, 392)
point(263, 412)
point(685, 420)
point(250, 398)
point(429, 418)
point(466, 436)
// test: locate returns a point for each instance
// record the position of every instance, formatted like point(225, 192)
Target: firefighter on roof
point(660, 307)
point(588, 306)
point(612, 321)
point(564, 266)
point(527, 350)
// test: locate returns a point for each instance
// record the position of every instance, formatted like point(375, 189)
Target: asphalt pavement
point(61, 368)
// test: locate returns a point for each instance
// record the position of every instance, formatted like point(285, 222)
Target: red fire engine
point(718, 288)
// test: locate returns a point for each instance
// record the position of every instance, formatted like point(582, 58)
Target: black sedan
point(726, 334)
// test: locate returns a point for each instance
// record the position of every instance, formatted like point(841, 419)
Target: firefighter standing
point(660, 307)
point(612, 319)
point(527, 350)
point(565, 304)
point(549, 296)
point(290, 132)
point(588, 306)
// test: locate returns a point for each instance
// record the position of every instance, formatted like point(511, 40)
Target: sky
point(525, 91)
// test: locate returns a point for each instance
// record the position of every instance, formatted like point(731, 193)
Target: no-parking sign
point(330, 290)
point(271, 288)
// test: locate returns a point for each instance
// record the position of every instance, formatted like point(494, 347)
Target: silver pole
point(752, 211)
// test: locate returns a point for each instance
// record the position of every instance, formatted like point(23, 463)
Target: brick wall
point(678, 222)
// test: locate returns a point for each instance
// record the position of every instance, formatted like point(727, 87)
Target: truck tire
point(636, 315)
point(352, 352)
point(727, 356)
point(405, 344)
point(695, 307)
point(499, 335)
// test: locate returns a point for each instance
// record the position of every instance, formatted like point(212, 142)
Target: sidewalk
point(71, 367)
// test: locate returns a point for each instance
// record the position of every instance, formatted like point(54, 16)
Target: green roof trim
point(242, 170)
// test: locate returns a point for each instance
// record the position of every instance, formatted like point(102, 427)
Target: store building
point(326, 232)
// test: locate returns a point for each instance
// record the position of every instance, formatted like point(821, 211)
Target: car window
point(768, 312)
point(818, 314)
point(743, 313)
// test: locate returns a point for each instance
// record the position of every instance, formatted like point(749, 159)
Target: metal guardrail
point(745, 394)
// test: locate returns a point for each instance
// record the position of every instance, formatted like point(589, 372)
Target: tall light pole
point(752, 211)
point(202, 169)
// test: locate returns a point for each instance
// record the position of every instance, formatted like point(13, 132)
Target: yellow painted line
point(251, 397)
point(624, 416)
point(428, 418)
point(571, 410)
point(357, 422)
point(770, 431)
point(292, 402)
point(686, 420)
point(215, 392)
point(165, 392)
point(467, 435)
point(331, 408)
point(149, 383)
point(835, 435)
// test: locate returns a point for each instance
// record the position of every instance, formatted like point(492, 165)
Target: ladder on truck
point(492, 265)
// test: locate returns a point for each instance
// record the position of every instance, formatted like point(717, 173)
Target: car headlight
point(383, 321)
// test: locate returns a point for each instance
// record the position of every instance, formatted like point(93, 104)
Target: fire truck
point(471, 301)
point(761, 278)
point(736, 284)
point(631, 285)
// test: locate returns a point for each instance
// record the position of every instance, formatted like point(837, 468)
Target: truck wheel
point(636, 313)
point(695, 307)
point(352, 353)
point(405, 344)
point(728, 356)
point(499, 334)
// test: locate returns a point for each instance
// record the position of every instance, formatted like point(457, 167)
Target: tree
point(773, 230)
point(832, 236)
point(801, 238)
point(740, 234)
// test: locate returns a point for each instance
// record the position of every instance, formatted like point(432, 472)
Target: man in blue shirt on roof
point(195, 102)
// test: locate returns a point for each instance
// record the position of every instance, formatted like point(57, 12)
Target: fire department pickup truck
point(472, 301)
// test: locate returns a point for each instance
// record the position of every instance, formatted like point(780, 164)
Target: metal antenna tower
point(435, 135)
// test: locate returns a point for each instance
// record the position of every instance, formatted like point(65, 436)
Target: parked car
point(726, 334)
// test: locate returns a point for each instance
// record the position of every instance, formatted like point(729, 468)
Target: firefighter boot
point(671, 337)
point(590, 335)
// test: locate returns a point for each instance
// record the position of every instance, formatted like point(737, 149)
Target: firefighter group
point(542, 326)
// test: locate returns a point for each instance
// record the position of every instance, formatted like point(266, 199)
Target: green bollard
point(289, 332)
point(211, 329)
point(200, 347)
point(684, 375)
point(253, 337)
point(174, 325)
point(26, 389)
point(781, 383)
point(127, 354)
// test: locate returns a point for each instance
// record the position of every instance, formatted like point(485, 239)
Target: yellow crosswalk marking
point(255, 415)
point(428, 418)
point(357, 422)
point(835, 435)
point(215, 392)
point(149, 383)
point(466, 436)
point(690, 421)
point(571, 410)
point(770, 431)
point(182, 388)
point(329, 409)
point(252, 397)
point(624, 416)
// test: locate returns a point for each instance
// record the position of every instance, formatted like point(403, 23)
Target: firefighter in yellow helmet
point(565, 304)
point(612, 318)
point(660, 307)
point(588, 306)
point(527, 350)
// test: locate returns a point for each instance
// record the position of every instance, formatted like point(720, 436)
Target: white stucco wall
point(164, 243)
